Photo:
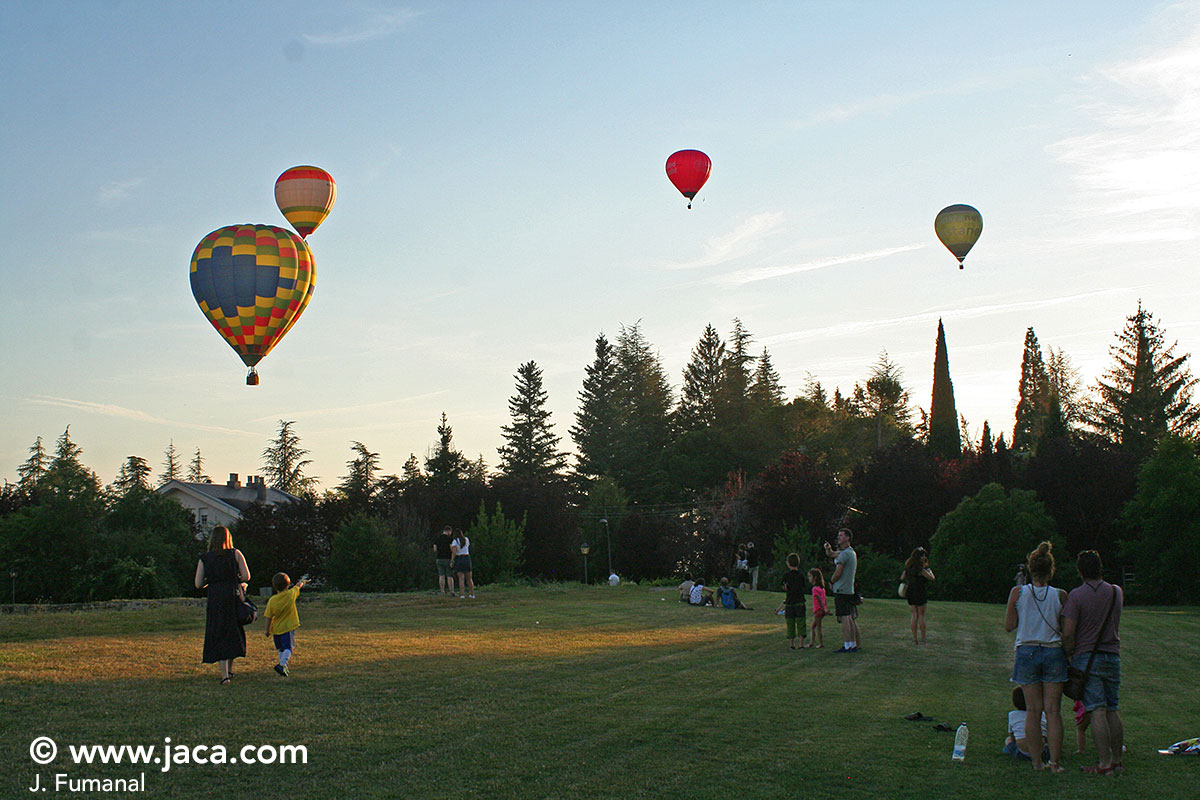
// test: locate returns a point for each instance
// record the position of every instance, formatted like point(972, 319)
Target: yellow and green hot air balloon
point(305, 195)
point(958, 227)
point(252, 282)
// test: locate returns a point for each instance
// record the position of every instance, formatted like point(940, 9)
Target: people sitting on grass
point(727, 596)
point(700, 595)
point(1016, 744)
point(685, 588)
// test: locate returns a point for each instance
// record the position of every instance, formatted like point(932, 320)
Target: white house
point(215, 504)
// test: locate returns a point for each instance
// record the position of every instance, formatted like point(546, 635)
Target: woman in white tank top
point(1040, 667)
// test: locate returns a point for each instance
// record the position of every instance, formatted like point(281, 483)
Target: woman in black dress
point(223, 569)
point(917, 575)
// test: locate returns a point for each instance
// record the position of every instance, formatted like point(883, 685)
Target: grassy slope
point(574, 692)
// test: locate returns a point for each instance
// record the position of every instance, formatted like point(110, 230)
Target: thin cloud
point(735, 244)
point(376, 25)
point(354, 409)
point(115, 192)
point(852, 328)
point(1140, 168)
point(109, 410)
point(745, 276)
point(884, 103)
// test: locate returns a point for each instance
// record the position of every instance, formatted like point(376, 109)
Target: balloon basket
point(252, 378)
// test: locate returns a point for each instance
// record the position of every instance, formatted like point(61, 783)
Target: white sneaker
point(472, 597)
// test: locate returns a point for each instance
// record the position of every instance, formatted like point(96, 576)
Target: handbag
point(903, 589)
point(1077, 678)
point(246, 611)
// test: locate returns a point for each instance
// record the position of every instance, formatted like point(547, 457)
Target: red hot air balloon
point(688, 170)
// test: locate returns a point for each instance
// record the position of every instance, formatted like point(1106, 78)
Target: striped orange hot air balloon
point(252, 282)
point(305, 195)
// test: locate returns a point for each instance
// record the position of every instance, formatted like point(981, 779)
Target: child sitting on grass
point(283, 619)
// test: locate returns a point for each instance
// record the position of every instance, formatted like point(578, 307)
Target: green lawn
point(574, 692)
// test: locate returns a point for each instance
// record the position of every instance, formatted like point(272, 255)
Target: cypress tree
point(1032, 392)
point(944, 438)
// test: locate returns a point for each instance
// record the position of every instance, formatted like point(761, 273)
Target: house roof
point(235, 499)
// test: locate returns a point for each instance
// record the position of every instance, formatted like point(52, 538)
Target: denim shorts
point(1037, 664)
point(1011, 749)
point(1104, 680)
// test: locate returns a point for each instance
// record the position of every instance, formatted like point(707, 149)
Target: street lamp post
point(608, 540)
point(585, 548)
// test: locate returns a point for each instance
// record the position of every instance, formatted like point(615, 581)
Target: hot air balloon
point(688, 170)
point(252, 282)
point(958, 227)
point(305, 195)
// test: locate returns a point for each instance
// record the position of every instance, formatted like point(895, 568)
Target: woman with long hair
point(917, 575)
point(460, 551)
point(223, 570)
point(1034, 611)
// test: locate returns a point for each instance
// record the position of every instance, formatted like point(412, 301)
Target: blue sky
point(501, 198)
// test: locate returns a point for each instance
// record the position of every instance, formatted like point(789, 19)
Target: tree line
point(662, 483)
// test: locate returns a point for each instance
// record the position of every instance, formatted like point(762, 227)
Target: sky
point(502, 198)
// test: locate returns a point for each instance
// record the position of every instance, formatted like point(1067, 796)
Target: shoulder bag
point(1076, 678)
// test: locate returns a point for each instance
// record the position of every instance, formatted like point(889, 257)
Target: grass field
point(573, 692)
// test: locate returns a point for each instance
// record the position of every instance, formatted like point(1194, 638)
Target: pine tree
point(885, 399)
point(1147, 392)
point(134, 474)
point(531, 449)
point(445, 466)
point(66, 475)
point(171, 468)
point(944, 439)
point(284, 461)
point(643, 399)
point(766, 390)
point(411, 474)
point(734, 389)
point(34, 467)
point(196, 469)
point(1033, 396)
point(595, 428)
point(1064, 383)
point(360, 483)
point(702, 383)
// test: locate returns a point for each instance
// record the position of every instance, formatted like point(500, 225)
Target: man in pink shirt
point(1091, 636)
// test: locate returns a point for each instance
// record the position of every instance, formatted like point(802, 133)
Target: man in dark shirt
point(1091, 633)
point(441, 552)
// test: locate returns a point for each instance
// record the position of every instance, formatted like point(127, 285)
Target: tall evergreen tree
point(766, 390)
point(702, 383)
point(134, 474)
point(1033, 396)
point(34, 467)
point(530, 448)
point(595, 428)
point(885, 400)
point(284, 461)
point(944, 438)
point(644, 401)
point(360, 483)
point(1064, 383)
point(172, 470)
point(445, 466)
point(734, 388)
point(195, 472)
point(986, 445)
point(1147, 393)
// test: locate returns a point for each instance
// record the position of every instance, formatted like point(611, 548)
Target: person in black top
point(441, 552)
point(752, 565)
point(793, 601)
point(223, 570)
point(917, 575)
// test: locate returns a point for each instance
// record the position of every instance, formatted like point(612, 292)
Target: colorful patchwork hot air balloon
point(252, 282)
point(305, 195)
point(688, 170)
point(958, 227)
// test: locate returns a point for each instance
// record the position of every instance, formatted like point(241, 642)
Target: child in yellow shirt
point(282, 618)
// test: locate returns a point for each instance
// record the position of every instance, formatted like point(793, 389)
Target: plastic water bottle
point(960, 743)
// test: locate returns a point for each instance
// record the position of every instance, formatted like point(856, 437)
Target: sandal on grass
point(1054, 767)
point(225, 680)
point(917, 716)
point(1095, 769)
point(941, 726)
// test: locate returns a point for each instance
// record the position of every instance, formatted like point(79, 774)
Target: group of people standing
point(1056, 629)
point(452, 551)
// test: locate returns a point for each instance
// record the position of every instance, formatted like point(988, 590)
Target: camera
point(1022, 577)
